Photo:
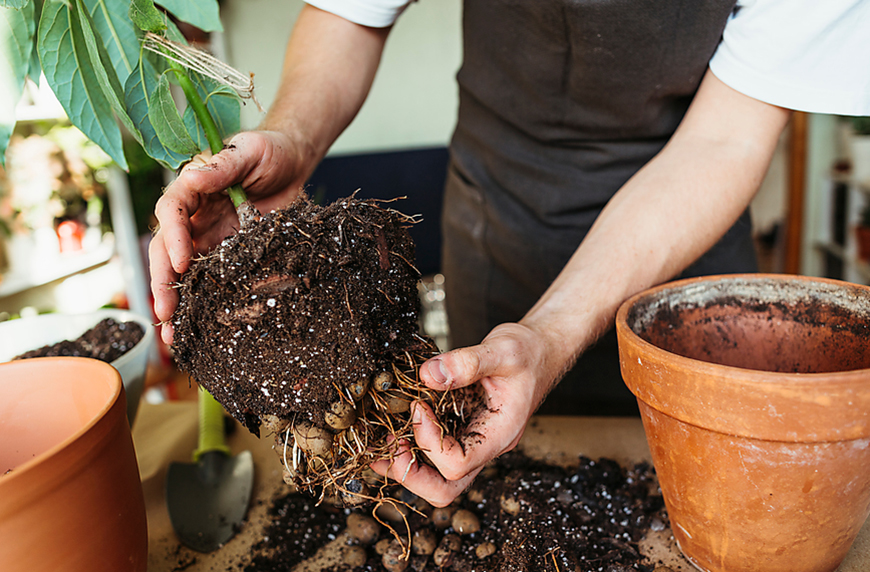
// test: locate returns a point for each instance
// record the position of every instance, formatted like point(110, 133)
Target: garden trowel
point(208, 499)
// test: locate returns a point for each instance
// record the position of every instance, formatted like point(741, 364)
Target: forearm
point(666, 216)
point(329, 67)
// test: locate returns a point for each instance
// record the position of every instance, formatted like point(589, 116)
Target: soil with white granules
point(106, 341)
point(531, 516)
point(307, 322)
point(285, 313)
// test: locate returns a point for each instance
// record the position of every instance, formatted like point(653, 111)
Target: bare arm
point(659, 222)
point(329, 67)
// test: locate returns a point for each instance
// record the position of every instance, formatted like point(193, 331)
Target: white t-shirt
point(806, 55)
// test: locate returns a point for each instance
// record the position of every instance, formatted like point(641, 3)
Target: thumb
point(458, 368)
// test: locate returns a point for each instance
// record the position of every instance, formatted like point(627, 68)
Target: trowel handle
point(211, 426)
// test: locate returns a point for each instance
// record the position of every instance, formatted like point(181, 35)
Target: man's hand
point(195, 214)
point(511, 369)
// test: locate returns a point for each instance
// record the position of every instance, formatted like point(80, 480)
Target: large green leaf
point(204, 14)
point(117, 33)
point(104, 70)
point(146, 16)
point(68, 70)
point(34, 70)
point(13, 4)
point(222, 103)
point(137, 92)
point(17, 27)
point(167, 122)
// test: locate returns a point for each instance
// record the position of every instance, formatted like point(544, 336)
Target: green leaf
point(68, 70)
point(35, 68)
point(17, 28)
point(204, 14)
point(223, 104)
point(112, 25)
point(146, 16)
point(13, 4)
point(140, 85)
point(167, 122)
point(105, 72)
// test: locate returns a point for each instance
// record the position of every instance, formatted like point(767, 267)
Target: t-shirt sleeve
point(806, 55)
point(373, 13)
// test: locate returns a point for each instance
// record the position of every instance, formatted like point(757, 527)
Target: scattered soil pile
point(306, 320)
point(107, 341)
point(520, 515)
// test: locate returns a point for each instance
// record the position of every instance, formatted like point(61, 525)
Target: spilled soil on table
point(519, 515)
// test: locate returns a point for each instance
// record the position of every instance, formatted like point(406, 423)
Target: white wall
point(414, 98)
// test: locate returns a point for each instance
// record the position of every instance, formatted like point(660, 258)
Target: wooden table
point(167, 432)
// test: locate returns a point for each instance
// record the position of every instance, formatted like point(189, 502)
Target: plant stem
point(212, 135)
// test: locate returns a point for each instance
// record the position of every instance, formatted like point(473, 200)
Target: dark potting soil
point(284, 314)
point(107, 341)
point(537, 517)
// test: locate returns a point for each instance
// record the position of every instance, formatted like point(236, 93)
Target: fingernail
point(416, 414)
point(438, 371)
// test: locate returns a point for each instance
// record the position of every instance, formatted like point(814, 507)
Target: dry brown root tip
point(484, 550)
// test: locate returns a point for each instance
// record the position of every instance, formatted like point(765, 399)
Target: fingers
point(162, 277)
point(455, 460)
point(459, 368)
point(421, 479)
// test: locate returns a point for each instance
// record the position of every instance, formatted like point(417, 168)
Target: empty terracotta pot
point(70, 495)
point(755, 397)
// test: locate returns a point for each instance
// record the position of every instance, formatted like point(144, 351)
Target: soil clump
point(307, 321)
point(520, 515)
point(106, 341)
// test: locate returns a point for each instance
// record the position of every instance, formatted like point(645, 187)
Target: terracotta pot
point(25, 334)
point(70, 495)
point(755, 397)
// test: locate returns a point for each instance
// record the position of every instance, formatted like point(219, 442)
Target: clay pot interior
point(754, 392)
point(70, 494)
point(773, 325)
point(28, 432)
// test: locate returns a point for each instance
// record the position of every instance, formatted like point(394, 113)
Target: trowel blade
point(208, 500)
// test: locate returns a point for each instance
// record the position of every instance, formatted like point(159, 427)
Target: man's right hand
point(195, 214)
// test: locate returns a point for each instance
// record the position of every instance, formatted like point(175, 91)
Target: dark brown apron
point(561, 102)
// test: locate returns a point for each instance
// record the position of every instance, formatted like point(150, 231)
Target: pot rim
point(728, 370)
point(742, 390)
point(108, 372)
